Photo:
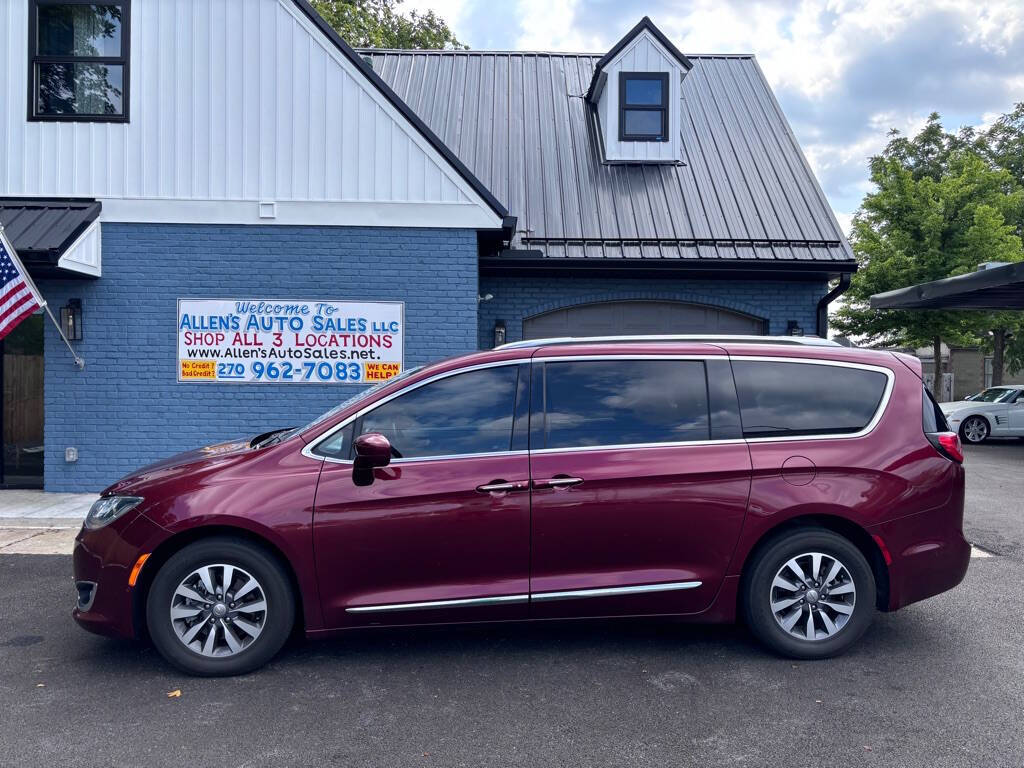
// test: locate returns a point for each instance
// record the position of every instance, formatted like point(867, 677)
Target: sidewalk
point(69, 507)
point(40, 523)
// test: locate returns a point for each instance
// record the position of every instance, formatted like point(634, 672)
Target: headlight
point(107, 509)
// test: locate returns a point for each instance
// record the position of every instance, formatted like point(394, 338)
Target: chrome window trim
point(879, 411)
point(308, 450)
point(570, 594)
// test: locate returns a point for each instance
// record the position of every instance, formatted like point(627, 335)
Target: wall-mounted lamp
point(71, 319)
point(793, 328)
point(499, 332)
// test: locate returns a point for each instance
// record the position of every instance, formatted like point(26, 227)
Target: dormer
point(635, 98)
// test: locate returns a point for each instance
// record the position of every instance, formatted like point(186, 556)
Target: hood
point(960, 405)
point(198, 460)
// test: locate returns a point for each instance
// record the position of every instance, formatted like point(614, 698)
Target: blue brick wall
point(127, 409)
point(516, 298)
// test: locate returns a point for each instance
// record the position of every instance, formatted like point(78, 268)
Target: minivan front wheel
point(220, 606)
point(809, 594)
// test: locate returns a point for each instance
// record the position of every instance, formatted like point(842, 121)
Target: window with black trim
point(643, 106)
point(78, 60)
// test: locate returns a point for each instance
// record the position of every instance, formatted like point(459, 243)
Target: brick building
point(174, 154)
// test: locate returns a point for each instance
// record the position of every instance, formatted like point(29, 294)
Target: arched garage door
point(622, 318)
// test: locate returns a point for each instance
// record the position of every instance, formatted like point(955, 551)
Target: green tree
point(378, 24)
point(939, 209)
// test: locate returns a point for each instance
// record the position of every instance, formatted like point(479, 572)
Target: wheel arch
point(177, 542)
point(842, 526)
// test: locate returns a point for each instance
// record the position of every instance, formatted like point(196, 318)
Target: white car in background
point(994, 412)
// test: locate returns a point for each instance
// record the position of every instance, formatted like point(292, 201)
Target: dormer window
point(643, 106)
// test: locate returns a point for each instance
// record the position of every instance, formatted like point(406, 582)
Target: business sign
point(322, 342)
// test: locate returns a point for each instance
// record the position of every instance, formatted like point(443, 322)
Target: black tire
point(757, 592)
point(969, 420)
point(262, 565)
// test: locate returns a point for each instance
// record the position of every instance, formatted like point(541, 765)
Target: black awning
point(991, 288)
point(42, 230)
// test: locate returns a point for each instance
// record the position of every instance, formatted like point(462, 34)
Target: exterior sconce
point(793, 328)
point(71, 319)
point(499, 332)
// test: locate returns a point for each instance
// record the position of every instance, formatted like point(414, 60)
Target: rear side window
point(934, 420)
point(585, 403)
point(784, 399)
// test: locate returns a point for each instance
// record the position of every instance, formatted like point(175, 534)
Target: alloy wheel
point(975, 429)
point(813, 596)
point(218, 610)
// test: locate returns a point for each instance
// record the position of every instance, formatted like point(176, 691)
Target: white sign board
point(260, 340)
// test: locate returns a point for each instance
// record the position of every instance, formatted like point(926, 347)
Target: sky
point(844, 71)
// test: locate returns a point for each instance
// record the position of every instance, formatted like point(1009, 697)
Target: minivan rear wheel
point(220, 606)
point(809, 594)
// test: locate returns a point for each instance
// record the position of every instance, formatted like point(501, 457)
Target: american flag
point(18, 297)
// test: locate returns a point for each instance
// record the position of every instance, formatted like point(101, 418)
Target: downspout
point(828, 298)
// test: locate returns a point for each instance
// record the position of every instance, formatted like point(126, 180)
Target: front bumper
point(103, 560)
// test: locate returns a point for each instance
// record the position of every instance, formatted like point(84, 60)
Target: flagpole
point(41, 301)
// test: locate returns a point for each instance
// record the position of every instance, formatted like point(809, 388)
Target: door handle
point(556, 483)
point(500, 486)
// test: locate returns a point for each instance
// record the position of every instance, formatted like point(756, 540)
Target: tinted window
point(779, 399)
point(644, 91)
point(465, 413)
point(934, 420)
point(624, 402)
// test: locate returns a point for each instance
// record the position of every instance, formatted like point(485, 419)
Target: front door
point(443, 533)
point(22, 412)
point(636, 510)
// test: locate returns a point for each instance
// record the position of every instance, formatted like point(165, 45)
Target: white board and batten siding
point(644, 54)
point(233, 103)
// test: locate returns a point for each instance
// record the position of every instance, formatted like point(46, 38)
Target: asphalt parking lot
point(938, 684)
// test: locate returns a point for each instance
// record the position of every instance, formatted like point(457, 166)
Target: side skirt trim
point(532, 597)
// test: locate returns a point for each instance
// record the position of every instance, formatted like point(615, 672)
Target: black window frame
point(123, 60)
point(663, 108)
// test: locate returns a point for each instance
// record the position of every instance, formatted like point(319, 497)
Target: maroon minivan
point(797, 483)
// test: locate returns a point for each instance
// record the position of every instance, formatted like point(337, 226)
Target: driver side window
point(466, 413)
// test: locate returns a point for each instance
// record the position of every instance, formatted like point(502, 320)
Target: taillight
point(948, 444)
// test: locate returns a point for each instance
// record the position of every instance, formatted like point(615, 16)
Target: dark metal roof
point(520, 122)
point(442, 148)
point(41, 230)
point(992, 288)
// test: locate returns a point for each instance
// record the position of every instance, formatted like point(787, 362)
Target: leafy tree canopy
point(942, 204)
point(379, 24)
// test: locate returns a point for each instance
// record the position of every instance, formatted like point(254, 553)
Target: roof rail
point(807, 341)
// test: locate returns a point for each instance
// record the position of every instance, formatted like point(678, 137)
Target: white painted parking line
point(979, 552)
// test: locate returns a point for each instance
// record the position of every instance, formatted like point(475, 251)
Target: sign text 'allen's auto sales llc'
point(323, 342)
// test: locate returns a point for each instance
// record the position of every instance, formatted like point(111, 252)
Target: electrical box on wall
point(70, 454)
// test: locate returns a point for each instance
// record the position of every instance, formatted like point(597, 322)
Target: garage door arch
point(639, 317)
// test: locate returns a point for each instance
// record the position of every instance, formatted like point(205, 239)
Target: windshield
point(995, 395)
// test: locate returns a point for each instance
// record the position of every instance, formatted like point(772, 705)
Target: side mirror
point(372, 450)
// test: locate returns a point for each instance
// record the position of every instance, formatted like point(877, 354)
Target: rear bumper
point(929, 555)
point(102, 562)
